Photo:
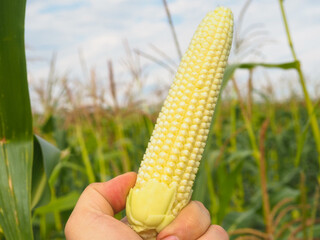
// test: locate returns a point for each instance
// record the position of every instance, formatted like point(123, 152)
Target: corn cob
point(169, 166)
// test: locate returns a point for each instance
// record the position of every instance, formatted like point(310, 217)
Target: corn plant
point(26, 161)
point(16, 125)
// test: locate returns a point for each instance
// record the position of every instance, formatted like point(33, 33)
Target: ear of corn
point(170, 164)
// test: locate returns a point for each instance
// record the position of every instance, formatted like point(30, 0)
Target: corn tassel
point(169, 166)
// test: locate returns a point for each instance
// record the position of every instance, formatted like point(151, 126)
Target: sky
point(100, 30)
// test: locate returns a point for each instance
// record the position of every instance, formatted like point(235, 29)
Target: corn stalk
point(16, 139)
point(310, 108)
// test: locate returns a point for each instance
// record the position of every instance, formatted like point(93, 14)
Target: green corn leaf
point(72, 166)
point(63, 203)
point(228, 181)
point(236, 220)
point(199, 188)
point(230, 69)
point(46, 157)
point(16, 140)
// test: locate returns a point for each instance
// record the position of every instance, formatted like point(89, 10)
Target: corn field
point(259, 176)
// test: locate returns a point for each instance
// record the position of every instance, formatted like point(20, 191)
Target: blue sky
point(99, 29)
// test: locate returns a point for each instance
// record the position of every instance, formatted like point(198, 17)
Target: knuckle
point(199, 217)
point(92, 186)
point(220, 230)
point(199, 205)
point(202, 208)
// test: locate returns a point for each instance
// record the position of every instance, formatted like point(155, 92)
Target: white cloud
point(99, 27)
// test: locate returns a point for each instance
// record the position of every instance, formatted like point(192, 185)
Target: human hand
point(93, 216)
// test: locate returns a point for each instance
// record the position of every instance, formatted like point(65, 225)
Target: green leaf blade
point(16, 140)
point(15, 216)
point(15, 109)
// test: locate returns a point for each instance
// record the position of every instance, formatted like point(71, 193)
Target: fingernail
point(170, 238)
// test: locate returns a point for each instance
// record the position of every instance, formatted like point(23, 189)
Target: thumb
point(108, 197)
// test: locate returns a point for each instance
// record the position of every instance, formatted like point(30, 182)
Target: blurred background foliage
point(259, 176)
